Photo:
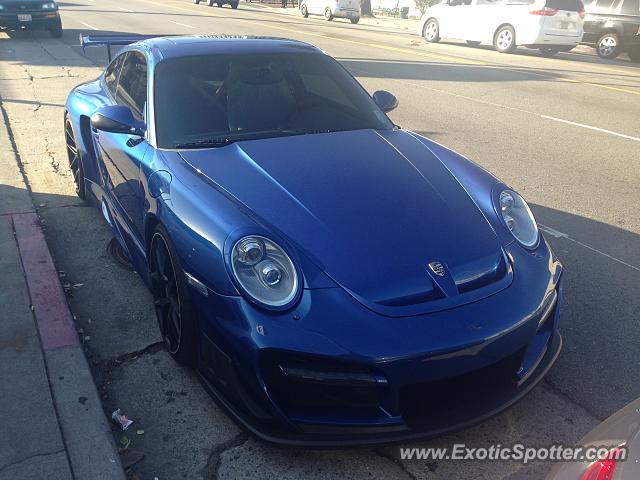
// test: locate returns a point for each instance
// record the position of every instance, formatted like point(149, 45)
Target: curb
point(86, 433)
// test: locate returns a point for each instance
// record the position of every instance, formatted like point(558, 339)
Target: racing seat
point(258, 98)
point(194, 113)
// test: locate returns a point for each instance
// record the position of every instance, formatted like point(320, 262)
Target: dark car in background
point(32, 15)
point(613, 27)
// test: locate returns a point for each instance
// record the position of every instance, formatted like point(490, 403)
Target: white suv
point(551, 26)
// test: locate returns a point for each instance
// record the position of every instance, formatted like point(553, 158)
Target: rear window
point(570, 5)
point(630, 7)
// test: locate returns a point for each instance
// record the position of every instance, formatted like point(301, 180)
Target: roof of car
point(181, 46)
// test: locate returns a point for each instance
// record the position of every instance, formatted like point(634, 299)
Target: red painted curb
point(53, 317)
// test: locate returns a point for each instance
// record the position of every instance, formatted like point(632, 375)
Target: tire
point(473, 43)
point(634, 54)
point(171, 299)
point(355, 20)
point(431, 31)
point(549, 51)
point(608, 46)
point(220, 4)
point(196, 2)
point(75, 162)
point(328, 15)
point(234, 5)
point(56, 30)
point(505, 39)
point(304, 11)
point(211, 3)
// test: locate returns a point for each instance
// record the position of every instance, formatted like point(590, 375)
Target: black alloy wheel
point(75, 163)
point(170, 298)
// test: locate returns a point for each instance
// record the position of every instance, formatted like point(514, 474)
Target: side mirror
point(387, 101)
point(117, 119)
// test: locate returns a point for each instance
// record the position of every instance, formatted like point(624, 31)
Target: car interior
point(220, 97)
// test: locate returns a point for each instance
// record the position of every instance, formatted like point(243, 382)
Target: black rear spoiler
point(111, 40)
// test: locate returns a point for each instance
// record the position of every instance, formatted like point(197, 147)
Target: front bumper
point(334, 374)
point(39, 20)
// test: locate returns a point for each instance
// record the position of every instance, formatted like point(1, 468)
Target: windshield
point(214, 100)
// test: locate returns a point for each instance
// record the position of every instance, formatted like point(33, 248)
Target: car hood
point(372, 209)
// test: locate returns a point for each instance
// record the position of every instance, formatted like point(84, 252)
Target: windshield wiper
point(205, 143)
point(222, 141)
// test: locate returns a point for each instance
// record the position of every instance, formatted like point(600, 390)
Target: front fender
point(479, 184)
point(199, 219)
point(81, 103)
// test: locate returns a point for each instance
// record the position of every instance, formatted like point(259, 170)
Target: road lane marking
point(437, 56)
point(582, 125)
point(453, 59)
point(89, 26)
point(447, 59)
point(460, 60)
point(329, 37)
point(557, 234)
point(181, 24)
point(598, 85)
point(552, 231)
point(505, 107)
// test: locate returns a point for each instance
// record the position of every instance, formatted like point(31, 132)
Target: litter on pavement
point(121, 419)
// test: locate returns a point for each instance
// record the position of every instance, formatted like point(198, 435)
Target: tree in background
point(422, 5)
point(365, 8)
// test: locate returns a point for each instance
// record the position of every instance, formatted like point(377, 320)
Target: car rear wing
point(111, 40)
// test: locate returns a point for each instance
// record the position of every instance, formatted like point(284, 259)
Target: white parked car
point(551, 26)
point(332, 9)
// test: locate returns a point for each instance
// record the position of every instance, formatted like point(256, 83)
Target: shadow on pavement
point(36, 44)
point(573, 56)
point(599, 315)
point(459, 72)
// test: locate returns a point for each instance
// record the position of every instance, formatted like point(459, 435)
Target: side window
point(602, 5)
point(630, 7)
point(111, 75)
point(132, 87)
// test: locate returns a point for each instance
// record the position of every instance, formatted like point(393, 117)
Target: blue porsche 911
point(334, 279)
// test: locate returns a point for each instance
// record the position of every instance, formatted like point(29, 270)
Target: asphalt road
point(565, 132)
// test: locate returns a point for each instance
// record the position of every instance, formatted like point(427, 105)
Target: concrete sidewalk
point(53, 423)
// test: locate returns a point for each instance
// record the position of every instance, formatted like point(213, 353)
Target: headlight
point(264, 271)
point(518, 218)
point(49, 6)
